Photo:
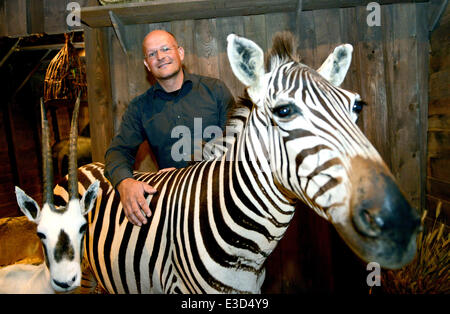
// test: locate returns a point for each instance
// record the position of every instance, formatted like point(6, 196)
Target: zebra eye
point(283, 111)
point(83, 228)
point(358, 106)
point(41, 235)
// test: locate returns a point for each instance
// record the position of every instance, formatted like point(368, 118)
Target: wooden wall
point(438, 166)
point(21, 18)
point(389, 70)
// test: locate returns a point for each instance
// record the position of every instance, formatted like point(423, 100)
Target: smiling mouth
point(163, 65)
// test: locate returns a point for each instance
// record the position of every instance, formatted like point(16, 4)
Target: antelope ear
point(247, 62)
point(89, 197)
point(28, 206)
point(335, 67)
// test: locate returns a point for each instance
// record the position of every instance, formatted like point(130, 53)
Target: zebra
point(216, 222)
point(61, 229)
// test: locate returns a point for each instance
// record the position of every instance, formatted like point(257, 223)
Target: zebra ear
point(28, 206)
point(247, 62)
point(336, 65)
point(89, 198)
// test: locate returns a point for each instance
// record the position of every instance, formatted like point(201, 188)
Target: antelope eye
point(83, 228)
point(41, 235)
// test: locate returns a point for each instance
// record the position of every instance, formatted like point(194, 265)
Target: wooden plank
point(184, 33)
point(439, 84)
point(3, 25)
point(439, 122)
point(119, 78)
point(422, 76)
point(136, 71)
point(35, 16)
point(99, 91)
point(440, 52)
point(439, 168)
point(206, 48)
point(307, 39)
point(55, 16)
point(436, 9)
point(349, 34)
point(438, 143)
point(162, 11)
point(226, 26)
point(253, 25)
point(438, 105)
point(328, 35)
point(404, 97)
point(16, 18)
point(170, 10)
point(439, 189)
point(119, 30)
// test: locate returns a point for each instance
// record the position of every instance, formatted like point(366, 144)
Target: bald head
point(156, 36)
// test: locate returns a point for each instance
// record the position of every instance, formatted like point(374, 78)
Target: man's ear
point(181, 53)
point(28, 206)
point(146, 65)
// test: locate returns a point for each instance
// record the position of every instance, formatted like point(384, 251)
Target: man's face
point(163, 57)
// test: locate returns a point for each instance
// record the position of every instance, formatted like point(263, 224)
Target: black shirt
point(165, 119)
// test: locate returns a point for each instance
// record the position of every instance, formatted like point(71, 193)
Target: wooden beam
point(77, 45)
point(298, 17)
point(437, 8)
point(99, 90)
point(119, 29)
point(13, 48)
point(171, 10)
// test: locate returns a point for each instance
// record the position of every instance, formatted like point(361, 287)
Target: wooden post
point(99, 91)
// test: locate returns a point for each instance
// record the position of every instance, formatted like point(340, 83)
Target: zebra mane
point(236, 120)
point(242, 105)
point(284, 49)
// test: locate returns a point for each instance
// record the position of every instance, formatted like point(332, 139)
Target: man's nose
point(160, 55)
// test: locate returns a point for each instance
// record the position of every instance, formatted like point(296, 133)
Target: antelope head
point(60, 228)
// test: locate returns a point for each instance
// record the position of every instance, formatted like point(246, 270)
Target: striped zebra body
point(197, 241)
point(215, 223)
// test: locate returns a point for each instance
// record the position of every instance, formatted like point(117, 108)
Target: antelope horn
point(73, 168)
point(47, 163)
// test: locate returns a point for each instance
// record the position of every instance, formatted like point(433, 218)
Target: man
point(175, 100)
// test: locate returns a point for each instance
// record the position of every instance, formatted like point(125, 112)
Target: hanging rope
point(66, 75)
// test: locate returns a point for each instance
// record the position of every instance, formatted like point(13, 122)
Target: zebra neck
point(266, 203)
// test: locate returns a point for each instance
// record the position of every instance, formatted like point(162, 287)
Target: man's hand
point(133, 200)
point(165, 170)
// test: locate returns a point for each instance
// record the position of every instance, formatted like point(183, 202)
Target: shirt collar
point(186, 86)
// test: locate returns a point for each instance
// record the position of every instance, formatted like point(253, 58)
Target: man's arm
point(119, 161)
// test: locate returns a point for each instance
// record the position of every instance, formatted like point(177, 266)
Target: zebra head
point(61, 229)
point(317, 153)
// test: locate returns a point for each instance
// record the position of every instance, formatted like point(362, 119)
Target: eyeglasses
point(163, 50)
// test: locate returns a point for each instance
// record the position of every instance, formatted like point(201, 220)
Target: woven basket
point(66, 75)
